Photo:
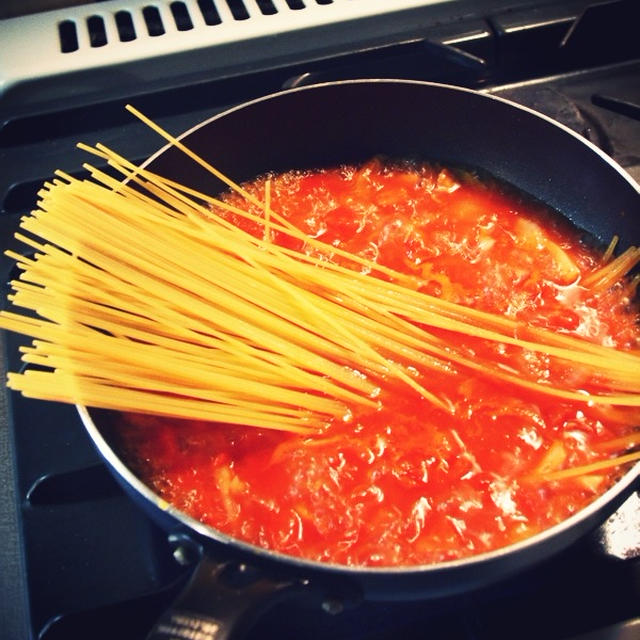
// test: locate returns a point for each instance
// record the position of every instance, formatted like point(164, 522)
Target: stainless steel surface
point(90, 52)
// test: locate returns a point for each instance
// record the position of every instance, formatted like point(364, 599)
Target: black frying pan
point(347, 122)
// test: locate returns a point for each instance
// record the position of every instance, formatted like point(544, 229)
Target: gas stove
point(78, 559)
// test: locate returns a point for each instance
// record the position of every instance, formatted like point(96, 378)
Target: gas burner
point(601, 104)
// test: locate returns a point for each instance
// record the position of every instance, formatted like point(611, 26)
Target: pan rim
point(587, 514)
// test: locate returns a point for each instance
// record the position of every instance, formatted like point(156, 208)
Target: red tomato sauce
point(409, 483)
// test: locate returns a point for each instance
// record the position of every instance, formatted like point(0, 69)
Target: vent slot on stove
point(181, 16)
point(267, 8)
point(238, 10)
point(125, 26)
point(68, 36)
point(97, 31)
point(153, 21)
point(209, 12)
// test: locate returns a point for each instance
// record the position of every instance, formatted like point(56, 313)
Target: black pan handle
point(224, 599)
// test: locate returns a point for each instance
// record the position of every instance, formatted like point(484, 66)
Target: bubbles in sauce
point(409, 483)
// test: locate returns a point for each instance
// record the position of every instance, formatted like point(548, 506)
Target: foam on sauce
point(410, 483)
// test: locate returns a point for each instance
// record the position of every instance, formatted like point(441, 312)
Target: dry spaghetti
point(166, 307)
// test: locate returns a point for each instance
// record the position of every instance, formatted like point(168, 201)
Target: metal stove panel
point(80, 51)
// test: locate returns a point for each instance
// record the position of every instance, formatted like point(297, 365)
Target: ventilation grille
point(157, 19)
point(110, 49)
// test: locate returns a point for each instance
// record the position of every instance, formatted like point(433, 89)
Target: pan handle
point(224, 599)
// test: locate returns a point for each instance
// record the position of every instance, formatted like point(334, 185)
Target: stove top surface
point(80, 560)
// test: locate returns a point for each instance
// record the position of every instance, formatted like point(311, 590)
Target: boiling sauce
point(410, 483)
